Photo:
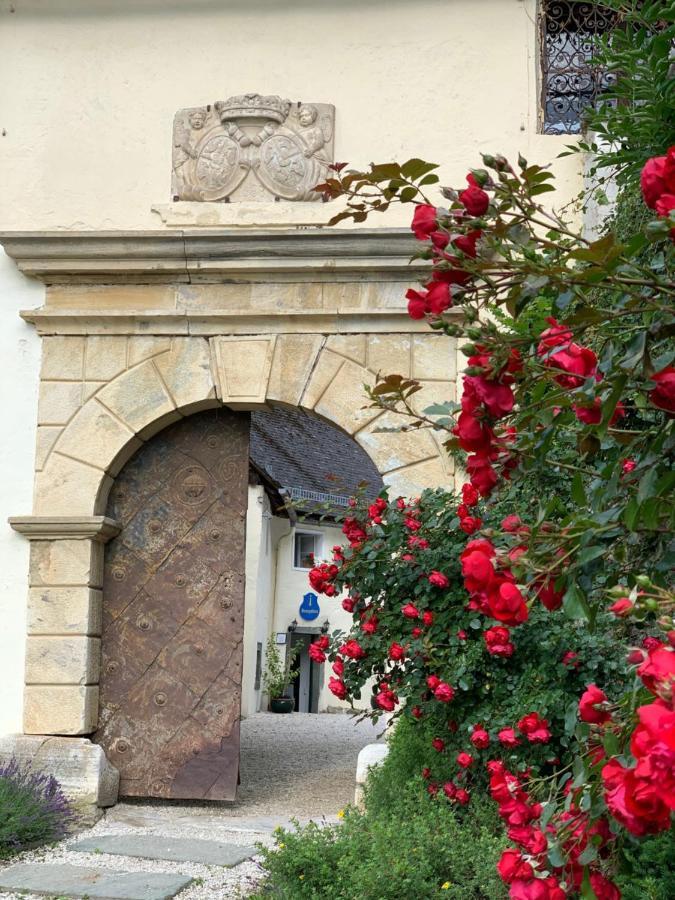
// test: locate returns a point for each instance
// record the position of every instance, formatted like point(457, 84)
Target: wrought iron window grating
point(571, 80)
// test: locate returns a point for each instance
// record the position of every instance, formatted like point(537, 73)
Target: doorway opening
point(307, 683)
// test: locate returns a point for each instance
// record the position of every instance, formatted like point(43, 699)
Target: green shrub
point(33, 809)
point(415, 848)
point(649, 870)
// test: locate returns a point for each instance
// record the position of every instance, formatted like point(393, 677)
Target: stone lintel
point(247, 255)
point(53, 528)
point(162, 322)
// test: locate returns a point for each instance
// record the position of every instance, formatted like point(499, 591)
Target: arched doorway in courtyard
point(182, 635)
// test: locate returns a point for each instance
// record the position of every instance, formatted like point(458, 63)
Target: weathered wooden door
point(173, 607)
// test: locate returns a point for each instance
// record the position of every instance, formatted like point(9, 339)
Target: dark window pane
point(306, 550)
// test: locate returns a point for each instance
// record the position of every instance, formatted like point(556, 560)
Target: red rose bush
point(569, 384)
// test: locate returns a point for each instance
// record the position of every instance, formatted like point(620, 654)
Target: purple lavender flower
point(33, 808)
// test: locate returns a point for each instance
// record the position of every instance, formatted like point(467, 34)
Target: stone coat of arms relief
point(251, 147)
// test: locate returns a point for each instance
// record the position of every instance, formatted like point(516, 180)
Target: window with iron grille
point(570, 80)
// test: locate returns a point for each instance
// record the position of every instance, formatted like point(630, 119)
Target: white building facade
point(140, 310)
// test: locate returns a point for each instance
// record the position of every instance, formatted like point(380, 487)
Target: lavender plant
point(33, 809)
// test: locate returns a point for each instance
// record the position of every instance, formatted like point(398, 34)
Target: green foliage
point(416, 848)
point(277, 676)
point(635, 117)
point(648, 871)
point(490, 690)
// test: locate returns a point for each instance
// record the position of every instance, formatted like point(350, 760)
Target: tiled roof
point(298, 451)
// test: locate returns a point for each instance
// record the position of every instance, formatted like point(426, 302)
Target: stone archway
point(142, 329)
point(175, 377)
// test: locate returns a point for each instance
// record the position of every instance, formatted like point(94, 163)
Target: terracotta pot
point(282, 704)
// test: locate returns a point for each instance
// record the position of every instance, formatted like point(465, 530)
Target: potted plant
point(277, 676)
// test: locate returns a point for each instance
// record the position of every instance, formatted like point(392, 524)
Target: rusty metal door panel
point(173, 600)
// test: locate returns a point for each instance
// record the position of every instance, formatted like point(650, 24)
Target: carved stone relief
point(251, 147)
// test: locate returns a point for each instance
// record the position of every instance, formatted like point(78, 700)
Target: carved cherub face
point(197, 119)
point(307, 115)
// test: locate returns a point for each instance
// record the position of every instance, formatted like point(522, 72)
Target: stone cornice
point(52, 528)
point(212, 322)
point(220, 256)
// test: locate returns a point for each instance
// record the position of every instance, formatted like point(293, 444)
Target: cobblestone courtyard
point(298, 765)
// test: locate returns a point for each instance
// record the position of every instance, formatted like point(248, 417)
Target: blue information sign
point(309, 608)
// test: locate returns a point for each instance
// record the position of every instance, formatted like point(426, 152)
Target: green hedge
point(416, 849)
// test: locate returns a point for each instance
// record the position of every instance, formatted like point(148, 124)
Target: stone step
point(97, 884)
point(152, 846)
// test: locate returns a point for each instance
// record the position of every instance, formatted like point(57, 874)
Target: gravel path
point(298, 765)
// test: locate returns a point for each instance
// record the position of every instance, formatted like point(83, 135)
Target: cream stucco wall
point(20, 346)
point(90, 89)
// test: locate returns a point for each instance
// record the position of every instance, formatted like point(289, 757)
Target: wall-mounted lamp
point(325, 627)
point(293, 625)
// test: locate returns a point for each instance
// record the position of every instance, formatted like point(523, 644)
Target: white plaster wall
point(263, 532)
point(292, 584)
point(90, 88)
point(19, 375)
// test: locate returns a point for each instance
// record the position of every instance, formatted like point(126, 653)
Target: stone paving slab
point(76, 881)
point(153, 846)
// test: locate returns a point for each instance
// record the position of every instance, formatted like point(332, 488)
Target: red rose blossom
point(397, 652)
point(658, 670)
point(570, 660)
point(507, 605)
point(450, 790)
point(352, 649)
point(534, 728)
point(425, 220)
point(652, 180)
point(588, 706)
point(337, 687)
point(464, 760)
point(387, 700)
point(474, 199)
point(444, 692)
point(622, 607)
point(438, 579)
point(497, 641)
point(470, 495)
point(316, 653)
point(663, 395)
point(508, 737)
point(479, 737)
point(511, 524)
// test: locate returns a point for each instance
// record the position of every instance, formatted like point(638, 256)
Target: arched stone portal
point(142, 329)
